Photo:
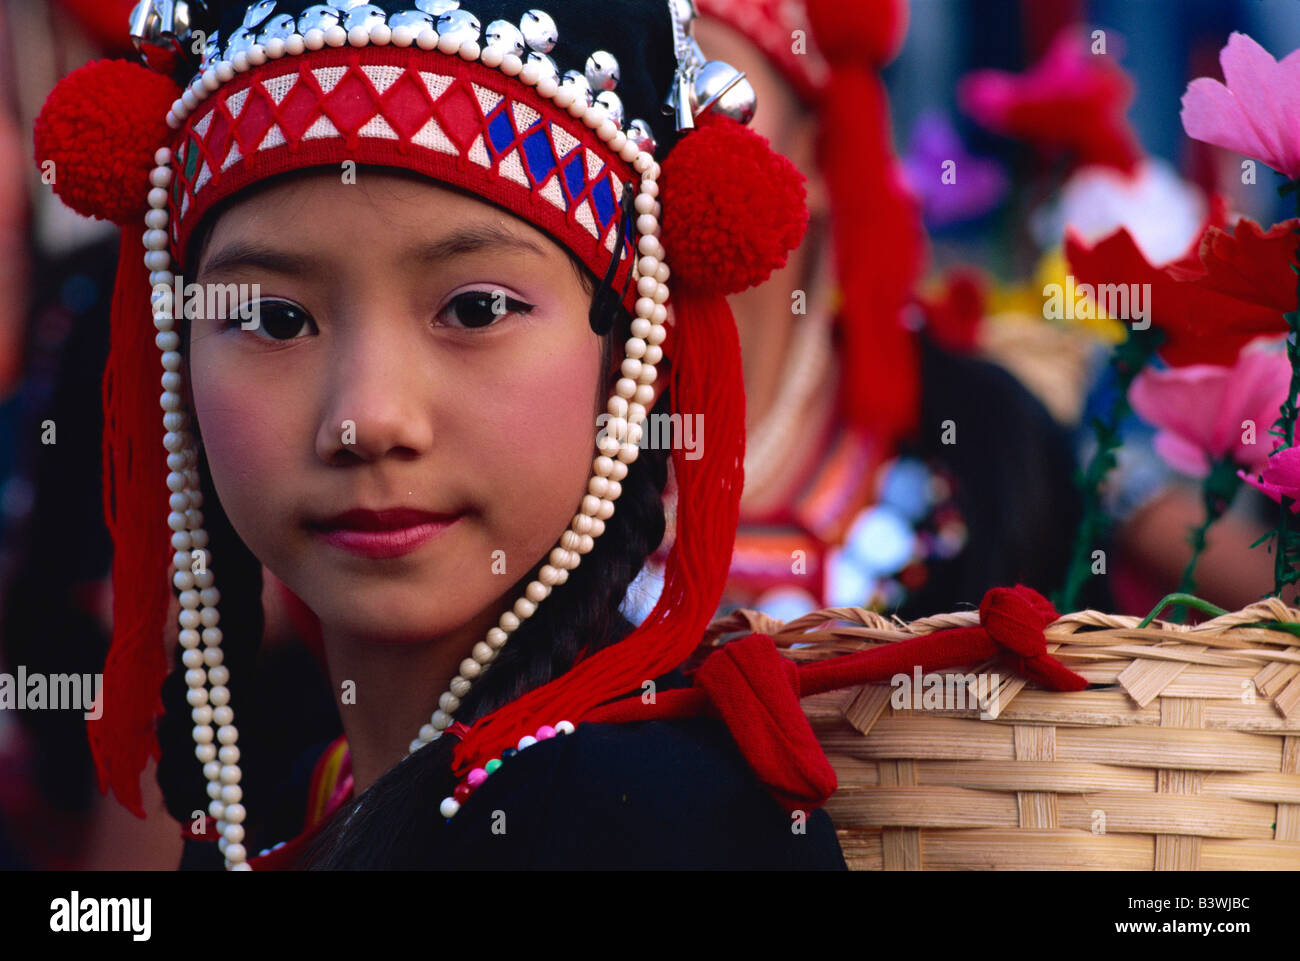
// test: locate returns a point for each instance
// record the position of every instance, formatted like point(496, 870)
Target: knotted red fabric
point(756, 691)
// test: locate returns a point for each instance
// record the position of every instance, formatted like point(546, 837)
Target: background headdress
point(831, 53)
point(550, 114)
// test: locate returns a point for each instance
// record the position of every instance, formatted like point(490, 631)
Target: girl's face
point(415, 350)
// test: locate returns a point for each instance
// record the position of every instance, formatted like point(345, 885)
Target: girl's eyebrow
point(465, 240)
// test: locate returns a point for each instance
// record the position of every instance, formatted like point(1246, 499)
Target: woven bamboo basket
point(1183, 753)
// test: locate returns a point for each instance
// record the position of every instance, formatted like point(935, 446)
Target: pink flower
point(1280, 478)
point(1206, 413)
point(1255, 114)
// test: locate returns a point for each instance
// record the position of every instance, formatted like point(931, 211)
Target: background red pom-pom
point(865, 32)
point(101, 126)
point(733, 208)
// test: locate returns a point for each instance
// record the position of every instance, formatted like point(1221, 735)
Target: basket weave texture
point(1183, 753)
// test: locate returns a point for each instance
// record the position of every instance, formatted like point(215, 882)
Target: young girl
point(449, 240)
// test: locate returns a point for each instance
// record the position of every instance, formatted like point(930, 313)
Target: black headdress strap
point(605, 303)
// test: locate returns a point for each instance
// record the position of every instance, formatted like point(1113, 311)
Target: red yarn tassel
point(135, 508)
point(706, 380)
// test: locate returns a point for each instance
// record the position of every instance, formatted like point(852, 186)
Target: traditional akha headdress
point(831, 53)
point(555, 115)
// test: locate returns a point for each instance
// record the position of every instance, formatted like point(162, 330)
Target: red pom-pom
point(733, 209)
point(866, 32)
point(101, 126)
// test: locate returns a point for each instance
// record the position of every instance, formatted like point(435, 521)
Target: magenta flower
point(1205, 413)
point(1255, 114)
point(1280, 478)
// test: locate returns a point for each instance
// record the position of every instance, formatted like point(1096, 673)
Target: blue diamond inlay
point(603, 197)
point(501, 131)
point(541, 160)
point(575, 176)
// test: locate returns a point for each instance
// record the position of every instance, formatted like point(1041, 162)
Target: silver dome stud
point(504, 36)
point(602, 70)
point(460, 25)
point(539, 31)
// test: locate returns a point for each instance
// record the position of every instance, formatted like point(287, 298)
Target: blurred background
point(993, 238)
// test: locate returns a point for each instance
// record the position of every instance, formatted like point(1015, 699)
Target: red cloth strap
point(756, 691)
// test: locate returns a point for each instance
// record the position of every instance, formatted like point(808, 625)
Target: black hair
point(389, 825)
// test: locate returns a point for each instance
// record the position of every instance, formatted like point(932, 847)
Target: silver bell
point(461, 25)
point(540, 33)
point(602, 70)
point(258, 12)
point(319, 16)
point(547, 65)
point(504, 36)
point(414, 20)
point(720, 86)
point(365, 16)
point(278, 27)
point(579, 83)
point(638, 131)
point(613, 106)
point(437, 7)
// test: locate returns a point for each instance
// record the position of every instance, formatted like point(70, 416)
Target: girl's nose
point(378, 401)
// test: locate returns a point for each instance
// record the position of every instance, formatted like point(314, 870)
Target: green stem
point(1217, 491)
point(1283, 548)
point(1189, 600)
point(1127, 360)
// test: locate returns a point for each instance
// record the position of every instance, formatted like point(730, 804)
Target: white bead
point(208, 615)
point(563, 98)
point(210, 597)
point(647, 287)
point(381, 34)
point(229, 754)
point(189, 99)
point(226, 734)
point(630, 151)
point(336, 36)
point(275, 47)
point(449, 701)
point(597, 528)
point(606, 510)
point(603, 465)
point(491, 57)
point(212, 657)
point(658, 333)
point(225, 71)
point(192, 659)
point(359, 37)
point(448, 44)
point(645, 307)
point(202, 734)
point(661, 295)
point(595, 116)
point(649, 245)
point(235, 813)
point(581, 524)
point(511, 65)
point(256, 55)
point(459, 686)
point(549, 576)
point(171, 360)
point(641, 328)
point(223, 716)
point(596, 486)
point(647, 224)
point(548, 87)
point(427, 733)
point(482, 653)
point(216, 810)
point(189, 638)
point(648, 374)
point(526, 741)
point(653, 355)
point(189, 619)
point(579, 107)
point(295, 44)
point(183, 580)
point(626, 387)
point(164, 278)
point(645, 204)
point(449, 807)
point(403, 36)
point(167, 340)
point(508, 622)
point(615, 492)
point(202, 714)
point(231, 793)
point(650, 187)
point(619, 472)
point(636, 412)
point(240, 63)
point(203, 581)
point(218, 695)
point(470, 50)
point(628, 453)
point(569, 541)
point(531, 74)
point(314, 38)
point(174, 121)
point(427, 39)
point(164, 323)
point(176, 521)
point(525, 608)
point(180, 502)
point(564, 727)
point(470, 668)
point(157, 219)
point(607, 130)
point(590, 505)
point(234, 833)
point(230, 773)
point(586, 543)
point(212, 771)
point(631, 368)
point(495, 638)
point(157, 259)
point(537, 592)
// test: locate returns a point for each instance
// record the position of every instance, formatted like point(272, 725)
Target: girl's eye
point(273, 319)
point(480, 308)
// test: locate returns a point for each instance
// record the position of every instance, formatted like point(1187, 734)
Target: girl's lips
point(378, 544)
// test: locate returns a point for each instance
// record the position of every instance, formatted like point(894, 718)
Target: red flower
point(1249, 264)
point(953, 316)
point(1202, 325)
point(1071, 99)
